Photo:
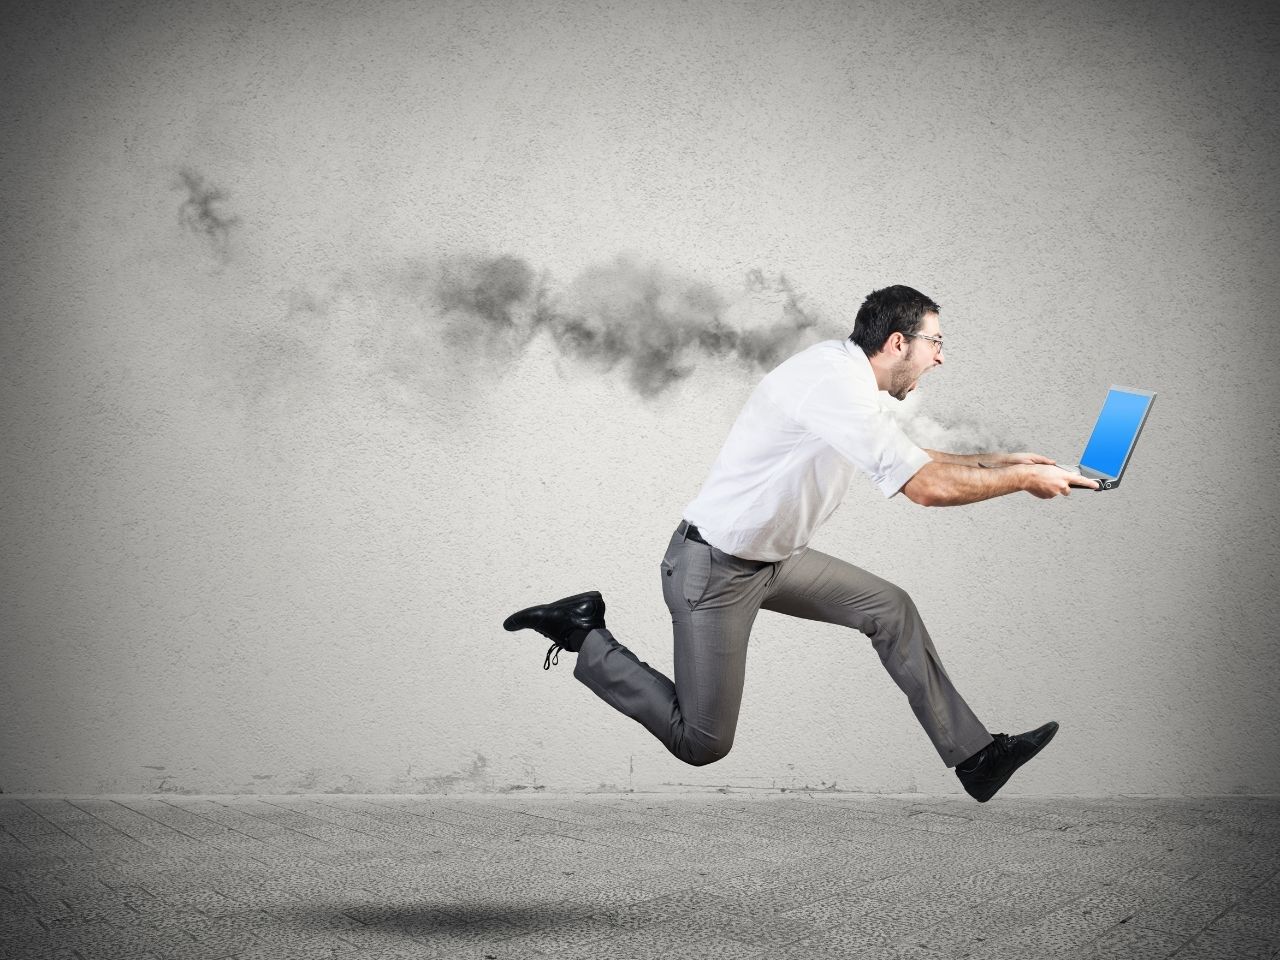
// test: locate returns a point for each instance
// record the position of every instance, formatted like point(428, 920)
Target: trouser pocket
point(686, 574)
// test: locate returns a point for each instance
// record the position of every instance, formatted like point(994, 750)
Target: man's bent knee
point(696, 753)
point(899, 607)
point(705, 755)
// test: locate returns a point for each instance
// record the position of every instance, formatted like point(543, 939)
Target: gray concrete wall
point(284, 442)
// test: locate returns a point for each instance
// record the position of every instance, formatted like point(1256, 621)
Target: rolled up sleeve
point(861, 432)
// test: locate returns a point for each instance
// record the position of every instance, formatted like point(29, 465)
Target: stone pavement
point(706, 876)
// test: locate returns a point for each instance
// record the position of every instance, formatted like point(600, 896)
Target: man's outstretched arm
point(988, 459)
point(939, 484)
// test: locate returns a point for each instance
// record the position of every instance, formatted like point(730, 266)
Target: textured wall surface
point(332, 335)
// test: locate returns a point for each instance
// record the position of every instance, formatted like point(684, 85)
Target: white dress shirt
point(811, 424)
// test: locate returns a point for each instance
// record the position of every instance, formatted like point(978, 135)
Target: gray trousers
point(714, 598)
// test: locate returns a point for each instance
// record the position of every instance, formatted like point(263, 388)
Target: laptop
point(1114, 436)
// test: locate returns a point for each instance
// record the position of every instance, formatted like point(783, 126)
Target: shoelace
point(546, 664)
point(1000, 743)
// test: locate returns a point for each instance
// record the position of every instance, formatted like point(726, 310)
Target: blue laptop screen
point(1115, 431)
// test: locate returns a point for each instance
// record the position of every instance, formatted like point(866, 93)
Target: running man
point(810, 426)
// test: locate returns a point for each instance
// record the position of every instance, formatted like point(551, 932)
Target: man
point(811, 424)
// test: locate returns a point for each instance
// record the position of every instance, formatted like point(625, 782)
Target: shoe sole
point(996, 789)
point(507, 624)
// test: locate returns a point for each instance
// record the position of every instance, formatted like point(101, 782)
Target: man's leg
point(713, 599)
point(816, 586)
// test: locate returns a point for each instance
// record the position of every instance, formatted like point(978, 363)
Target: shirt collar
point(863, 363)
point(855, 351)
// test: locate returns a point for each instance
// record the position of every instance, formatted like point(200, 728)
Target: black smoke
point(200, 213)
point(649, 323)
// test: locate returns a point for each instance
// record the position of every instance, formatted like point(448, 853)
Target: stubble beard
point(901, 379)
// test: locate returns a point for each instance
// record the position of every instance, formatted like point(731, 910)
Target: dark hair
point(895, 309)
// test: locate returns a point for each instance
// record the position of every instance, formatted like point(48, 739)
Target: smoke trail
point(198, 214)
point(640, 317)
point(479, 313)
point(951, 435)
point(492, 304)
point(491, 289)
point(650, 322)
point(768, 347)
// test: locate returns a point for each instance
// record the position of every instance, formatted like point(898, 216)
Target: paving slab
point(643, 876)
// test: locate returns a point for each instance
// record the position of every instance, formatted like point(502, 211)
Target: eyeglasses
point(936, 341)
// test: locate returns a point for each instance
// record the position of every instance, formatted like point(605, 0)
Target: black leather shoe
point(991, 767)
point(565, 623)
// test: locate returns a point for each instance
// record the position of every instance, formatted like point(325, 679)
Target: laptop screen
point(1116, 430)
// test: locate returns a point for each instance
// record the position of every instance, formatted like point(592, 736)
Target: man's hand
point(1046, 481)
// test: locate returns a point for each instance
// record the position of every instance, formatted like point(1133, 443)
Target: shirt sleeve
point(861, 432)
